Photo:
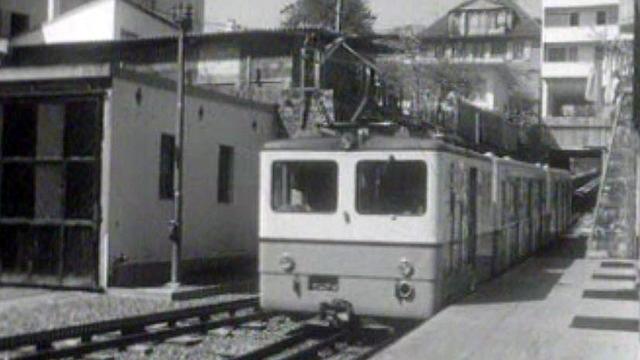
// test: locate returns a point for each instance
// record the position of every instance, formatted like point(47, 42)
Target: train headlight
point(405, 291)
point(406, 268)
point(287, 264)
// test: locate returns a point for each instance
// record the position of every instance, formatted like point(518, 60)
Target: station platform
point(557, 305)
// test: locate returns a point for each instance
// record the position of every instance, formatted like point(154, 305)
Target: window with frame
point(478, 50)
point(460, 50)
point(518, 50)
point(304, 187)
point(601, 17)
point(19, 23)
point(225, 174)
point(574, 19)
point(612, 16)
point(556, 54)
point(573, 53)
point(474, 21)
point(391, 187)
point(167, 155)
point(498, 48)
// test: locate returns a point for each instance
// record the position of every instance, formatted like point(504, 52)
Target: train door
point(540, 213)
point(530, 218)
point(515, 248)
point(472, 216)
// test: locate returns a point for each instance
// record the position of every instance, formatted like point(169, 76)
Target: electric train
point(396, 227)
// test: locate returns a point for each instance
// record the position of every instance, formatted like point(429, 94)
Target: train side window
point(304, 186)
point(543, 195)
point(452, 219)
point(391, 187)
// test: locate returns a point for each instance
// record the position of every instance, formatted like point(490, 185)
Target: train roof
point(373, 143)
point(383, 143)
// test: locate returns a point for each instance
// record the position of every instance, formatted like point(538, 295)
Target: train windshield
point(391, 187)
point(305, 186)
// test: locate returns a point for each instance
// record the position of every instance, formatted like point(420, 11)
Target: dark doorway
point(49, 191)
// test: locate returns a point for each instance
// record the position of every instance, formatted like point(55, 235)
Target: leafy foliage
point(357, 18)
point(427, 82)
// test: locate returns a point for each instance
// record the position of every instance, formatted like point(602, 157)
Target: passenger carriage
point(396, 226)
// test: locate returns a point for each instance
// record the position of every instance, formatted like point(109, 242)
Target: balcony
point(579, 34)
point(579, 133)
point(577, 3)
point(561, 70)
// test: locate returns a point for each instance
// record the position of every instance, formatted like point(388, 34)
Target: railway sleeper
point(122, 342)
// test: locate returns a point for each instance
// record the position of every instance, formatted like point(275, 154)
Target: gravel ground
point(75, 308)
point(221, 343)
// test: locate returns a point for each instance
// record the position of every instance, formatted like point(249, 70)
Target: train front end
point(349, 227)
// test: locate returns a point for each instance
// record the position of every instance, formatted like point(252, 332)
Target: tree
point(426, 83)
point(357, 18)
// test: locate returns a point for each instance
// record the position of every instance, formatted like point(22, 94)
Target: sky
point(390, 13)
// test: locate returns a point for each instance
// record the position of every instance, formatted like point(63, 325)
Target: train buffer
point(557, 305)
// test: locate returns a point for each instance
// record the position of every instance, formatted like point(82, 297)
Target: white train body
point(397, 227)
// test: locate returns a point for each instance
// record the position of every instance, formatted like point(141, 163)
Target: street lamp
point(183, 19)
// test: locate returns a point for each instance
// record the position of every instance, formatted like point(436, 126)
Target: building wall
point(138, 221)
point(90, 23)
point(138, 23)
point(35, 9)
point(38, 10)
point(100, 20)
point(227, 68)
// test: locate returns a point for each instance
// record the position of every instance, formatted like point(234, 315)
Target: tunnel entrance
point(49, 191)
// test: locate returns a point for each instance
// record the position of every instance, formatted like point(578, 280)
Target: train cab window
point(391, 187)
point(305, 186)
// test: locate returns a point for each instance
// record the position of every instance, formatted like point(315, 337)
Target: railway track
point(120, 333)
point(309, 342)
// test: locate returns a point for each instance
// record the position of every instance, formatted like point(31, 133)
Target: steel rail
point(325, 339)
point(131, 326)
point(312, 351)
point(277, 347)
point(136, 338)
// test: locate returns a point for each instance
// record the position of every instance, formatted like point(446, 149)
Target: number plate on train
point(323, 283)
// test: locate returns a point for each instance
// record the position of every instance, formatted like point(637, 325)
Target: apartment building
point(577, 67)
point(55, 21)
point(574, 36)
point(498, 39)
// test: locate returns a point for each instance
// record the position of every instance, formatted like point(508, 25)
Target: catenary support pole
point(182, 16)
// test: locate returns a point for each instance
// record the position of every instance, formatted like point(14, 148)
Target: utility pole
point(338, 15)
point(183, 18)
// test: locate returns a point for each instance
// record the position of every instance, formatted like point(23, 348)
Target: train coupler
point(339, 314)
